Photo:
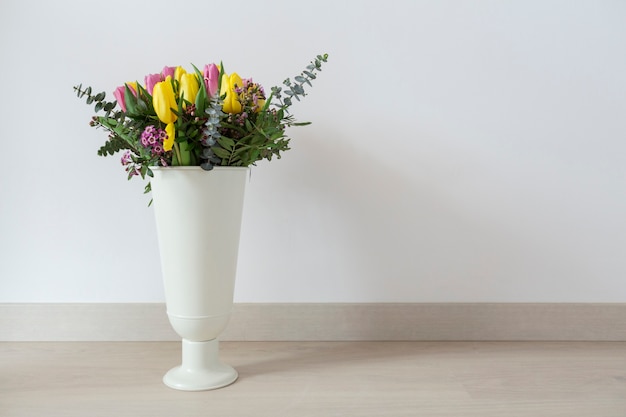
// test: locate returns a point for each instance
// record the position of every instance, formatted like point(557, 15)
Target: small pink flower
point(126, 158)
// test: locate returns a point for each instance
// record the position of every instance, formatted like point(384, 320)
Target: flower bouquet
point(200, 118)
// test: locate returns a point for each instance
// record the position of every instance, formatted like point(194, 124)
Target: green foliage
point(203, 134)
point(99, 99)
point(124, 132)
point(296, 90)
point(263, 136)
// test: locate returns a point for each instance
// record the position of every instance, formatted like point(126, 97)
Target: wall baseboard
point(325, 322)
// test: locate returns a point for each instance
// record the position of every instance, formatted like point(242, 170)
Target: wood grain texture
point(325, 322)
point(444, 379)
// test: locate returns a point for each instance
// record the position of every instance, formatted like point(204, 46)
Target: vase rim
point(197, 167)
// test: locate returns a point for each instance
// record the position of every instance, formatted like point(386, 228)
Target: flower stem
point(177, 154)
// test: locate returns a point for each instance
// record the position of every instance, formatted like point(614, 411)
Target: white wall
point(460, 151)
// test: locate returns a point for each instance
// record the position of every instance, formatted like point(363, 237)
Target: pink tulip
point(168, 71)
point(211, 78)
point(151, 80)
point(119, 95)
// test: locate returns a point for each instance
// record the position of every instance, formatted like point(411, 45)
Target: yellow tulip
point(164, 101)
point(169, 142)
point(231, 101)
point(178, 73)
point(189, 87)
point(259, 105)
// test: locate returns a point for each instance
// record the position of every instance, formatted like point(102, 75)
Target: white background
point(467, 151)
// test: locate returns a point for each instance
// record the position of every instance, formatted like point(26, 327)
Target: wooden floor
point(299, 379)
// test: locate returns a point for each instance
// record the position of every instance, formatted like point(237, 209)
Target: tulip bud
point(151, 80)
point(178, 73)
point(229, 85)
point(189, 87)
point(211, 78)
point(168, 72)
point(169, 142)
point(119, 94)
point(163, 101)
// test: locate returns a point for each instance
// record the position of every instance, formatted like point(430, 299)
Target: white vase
point(198, 216)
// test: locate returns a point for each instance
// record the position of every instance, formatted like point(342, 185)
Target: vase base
point(200, 379)
point(201, 369)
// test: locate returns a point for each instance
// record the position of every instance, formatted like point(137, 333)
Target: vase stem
point(201, 368)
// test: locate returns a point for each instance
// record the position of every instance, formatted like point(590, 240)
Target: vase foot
point(201, 368)
point(199, 380)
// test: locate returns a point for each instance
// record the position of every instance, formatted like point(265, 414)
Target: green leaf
point(142, 92)
point(142, 106)
point(130, 100)
point(277, 135)
point(219, 81)
point(175, 161)
point(241, 150)
point(202, 96)
point(254, 155)
point(226, 143)
point(221, 152)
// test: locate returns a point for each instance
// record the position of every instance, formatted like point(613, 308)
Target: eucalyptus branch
point(99, 99)
point(296, 90)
